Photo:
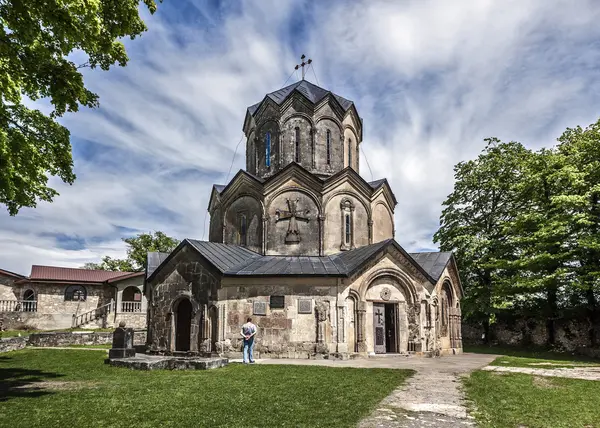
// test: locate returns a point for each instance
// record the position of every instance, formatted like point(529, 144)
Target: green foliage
point(525, 228)
point(472, 221)
point(37, 41)
point(138, 248)
point(88, 392)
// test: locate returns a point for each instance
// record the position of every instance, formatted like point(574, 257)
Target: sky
point(430, 78)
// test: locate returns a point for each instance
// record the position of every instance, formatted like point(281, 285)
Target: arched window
point(348, 232)
point(29, 301)
point(268, 149)
point(328, 147)
point(350, 152)
point(131, 300)
point(75, 293)
point(243, 230)
point(347, 207)
point(297, 143)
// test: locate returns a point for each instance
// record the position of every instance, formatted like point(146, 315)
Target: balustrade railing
point(131, 306)
point(18, 306)
point(92, 315)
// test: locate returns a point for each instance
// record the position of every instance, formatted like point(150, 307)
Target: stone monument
point(122, 344)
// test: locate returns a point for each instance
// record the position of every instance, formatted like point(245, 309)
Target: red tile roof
point(54, 273)
point(9, 273)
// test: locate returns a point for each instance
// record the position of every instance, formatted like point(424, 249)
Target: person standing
point(248, 332)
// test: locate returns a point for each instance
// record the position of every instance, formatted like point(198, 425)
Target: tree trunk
point(552, 312)
point(592, 314)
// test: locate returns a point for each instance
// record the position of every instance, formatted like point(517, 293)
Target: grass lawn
point(99, 346)
point(514, 400)
point(77, 389)
point(534, 353)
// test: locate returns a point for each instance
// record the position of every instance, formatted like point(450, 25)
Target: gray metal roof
point(234, 260)
point(154, 261)
point(375, 184)
point(433, 263)
point(223, 256)
point(312, 92)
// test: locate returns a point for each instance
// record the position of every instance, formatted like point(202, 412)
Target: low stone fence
point(66, 338)
point(54, 339)
point(570, 335)
point(12, 344)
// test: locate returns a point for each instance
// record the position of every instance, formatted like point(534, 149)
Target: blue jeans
point(249, 349)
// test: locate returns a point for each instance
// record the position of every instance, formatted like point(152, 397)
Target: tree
point(580, 152)
point(471, 225)
point(37, 38)
point(541, 232)
point(138, 248)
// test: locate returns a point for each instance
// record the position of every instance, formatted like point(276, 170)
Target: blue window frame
point(268, 149)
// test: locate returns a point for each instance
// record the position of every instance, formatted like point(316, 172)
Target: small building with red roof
point(54, 297)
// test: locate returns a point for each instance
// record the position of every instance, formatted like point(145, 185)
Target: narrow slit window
point(297, 143)
point(328, 147)
point(268, 149)
point(348, 229)
point(243, 230)
point(350, 152)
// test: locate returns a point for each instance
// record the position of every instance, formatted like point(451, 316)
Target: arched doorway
point(183, 322)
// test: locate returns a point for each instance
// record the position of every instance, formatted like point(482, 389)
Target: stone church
point(301, 243)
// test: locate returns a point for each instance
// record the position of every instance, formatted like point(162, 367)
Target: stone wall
point(282, 332)
point(35, 320)
point(183, 278)
point(136, 320)
point(53, 339)
point(12, 344)
point(571, 334)
point(7, 288)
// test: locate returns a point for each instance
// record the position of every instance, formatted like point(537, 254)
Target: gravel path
point(431, 398)
point(585, 373)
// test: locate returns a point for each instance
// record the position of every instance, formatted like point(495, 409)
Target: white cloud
point(431, 79)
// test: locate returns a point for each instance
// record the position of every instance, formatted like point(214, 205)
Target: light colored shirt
point(248, 329)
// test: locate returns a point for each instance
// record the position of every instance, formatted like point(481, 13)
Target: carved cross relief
point(293, 215)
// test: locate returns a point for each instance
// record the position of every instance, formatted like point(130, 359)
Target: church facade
point(301, 243)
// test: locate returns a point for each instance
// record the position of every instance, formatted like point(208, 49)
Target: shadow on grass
point(18, 382)
point(529, 352)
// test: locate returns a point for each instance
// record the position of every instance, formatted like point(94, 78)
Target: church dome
point(305, 124)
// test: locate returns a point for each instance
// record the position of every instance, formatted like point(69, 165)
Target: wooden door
point(379, 326)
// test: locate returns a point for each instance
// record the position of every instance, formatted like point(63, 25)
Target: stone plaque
point(304, 306)
point(260, 308)
point(277, 302)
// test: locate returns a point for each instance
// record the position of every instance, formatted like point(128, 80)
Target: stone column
point(341, 323)
point(321, 220)
point(265, 221)
point(321, 309)
point(370, 225)
point(314, 151)
point(361, 323)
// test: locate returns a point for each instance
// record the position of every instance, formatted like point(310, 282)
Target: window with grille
point(75, 293)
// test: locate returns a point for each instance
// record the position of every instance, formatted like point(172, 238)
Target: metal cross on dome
point(293, 215)
point(302, 64)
